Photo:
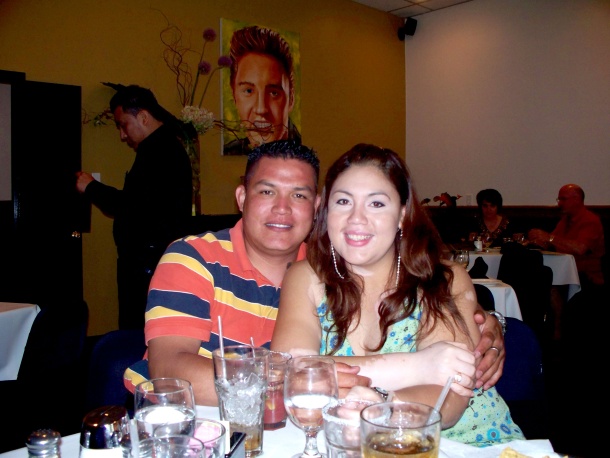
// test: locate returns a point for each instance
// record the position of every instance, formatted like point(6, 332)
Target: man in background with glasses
point(580, 233)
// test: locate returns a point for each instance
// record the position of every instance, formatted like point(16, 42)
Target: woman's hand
point(442, 360)
point(489, 352)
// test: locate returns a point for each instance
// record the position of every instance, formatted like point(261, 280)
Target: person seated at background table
point(490, 220)
point(377, 287)
point(237, 274)
point(580, 233)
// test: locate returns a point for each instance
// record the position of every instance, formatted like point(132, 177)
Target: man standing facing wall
point(153, 208)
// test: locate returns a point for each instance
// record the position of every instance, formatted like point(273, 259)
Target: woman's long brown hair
point(423, 276)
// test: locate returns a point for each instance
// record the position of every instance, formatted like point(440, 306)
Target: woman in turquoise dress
point(377, 291)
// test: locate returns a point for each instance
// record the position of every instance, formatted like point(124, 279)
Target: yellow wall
point(352, 87)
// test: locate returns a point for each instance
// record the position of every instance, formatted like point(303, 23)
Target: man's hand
point(538, 237)
point(490, 348)
point(82, 180)
point(348, 377)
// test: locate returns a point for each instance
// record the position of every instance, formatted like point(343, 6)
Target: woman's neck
point(493, 223)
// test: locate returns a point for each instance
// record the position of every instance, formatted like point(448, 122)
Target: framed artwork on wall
point(261, 99)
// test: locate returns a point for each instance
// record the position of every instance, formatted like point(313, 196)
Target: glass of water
point(172, 446)
point(164, 406)
point(462, 257)
point(342, 427)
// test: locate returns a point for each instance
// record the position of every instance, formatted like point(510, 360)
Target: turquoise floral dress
point(486, 420)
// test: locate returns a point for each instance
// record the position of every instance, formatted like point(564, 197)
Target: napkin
point(534, 448)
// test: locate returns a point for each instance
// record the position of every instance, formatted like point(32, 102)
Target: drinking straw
point(222, 348)
point(135, 438)
point(443, 395)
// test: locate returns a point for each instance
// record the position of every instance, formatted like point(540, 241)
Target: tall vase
point(192, 148)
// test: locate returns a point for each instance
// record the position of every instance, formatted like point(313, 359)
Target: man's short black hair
point(133, 99)
point(283, 149)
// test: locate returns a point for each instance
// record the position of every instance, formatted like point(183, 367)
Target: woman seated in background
point(377, 291)
point(490, 222)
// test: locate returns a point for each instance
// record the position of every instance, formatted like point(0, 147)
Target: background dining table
point(15, 323)
point(563, 267)
point(505, 298)
point(290, 440)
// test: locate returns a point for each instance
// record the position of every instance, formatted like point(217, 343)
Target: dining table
point(563, 266)
point(505, 297)
point(290, 440)
point(16, 320)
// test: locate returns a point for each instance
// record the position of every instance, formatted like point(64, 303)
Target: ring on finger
point(495, 348)
point(457, 378)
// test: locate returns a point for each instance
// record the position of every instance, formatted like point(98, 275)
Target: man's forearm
point(194, 368)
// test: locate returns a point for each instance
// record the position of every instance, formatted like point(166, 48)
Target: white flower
point(201, 118)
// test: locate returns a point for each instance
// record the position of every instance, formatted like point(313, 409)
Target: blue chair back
point(111, 355)
point(522, 384)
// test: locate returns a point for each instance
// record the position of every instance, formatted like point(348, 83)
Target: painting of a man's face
point(261, 92)
point(261, 101)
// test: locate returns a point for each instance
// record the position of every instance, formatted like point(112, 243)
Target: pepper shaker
point(104, 432)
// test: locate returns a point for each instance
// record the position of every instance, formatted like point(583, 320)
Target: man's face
point(262, 96)
point(131, 128)
point(278, 206)
point(569, 201)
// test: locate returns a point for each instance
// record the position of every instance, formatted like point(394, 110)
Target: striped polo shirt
point(200, 278)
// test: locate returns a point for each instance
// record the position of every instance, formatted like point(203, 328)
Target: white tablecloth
point(291, 440)
point(15, 324)
point(562, 265)
point(505, 298)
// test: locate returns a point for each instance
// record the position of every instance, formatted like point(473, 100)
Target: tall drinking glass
point(275, 411)
point(310, 384)
point(240, 377)
point(164, 406)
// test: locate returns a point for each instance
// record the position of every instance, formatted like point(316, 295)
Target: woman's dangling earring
point(398, 261)
point(332, 250)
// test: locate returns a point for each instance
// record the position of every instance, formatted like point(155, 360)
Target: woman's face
point(489, 210)
point(364, 214)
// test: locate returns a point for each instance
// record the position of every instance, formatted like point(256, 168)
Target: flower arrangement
point(175, 56)
point(444, 199)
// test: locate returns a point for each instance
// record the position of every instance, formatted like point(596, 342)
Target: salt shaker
point(44, 443)
point(103, 432)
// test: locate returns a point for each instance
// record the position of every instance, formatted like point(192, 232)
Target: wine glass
point(487, 240)
point(462, 257)
point(310, 384)
point(164, 406)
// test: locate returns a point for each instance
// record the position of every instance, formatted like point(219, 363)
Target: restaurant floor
point(570, 429)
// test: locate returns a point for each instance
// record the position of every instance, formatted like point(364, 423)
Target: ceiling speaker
point(407, 29)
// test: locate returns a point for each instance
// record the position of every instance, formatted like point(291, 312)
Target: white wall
point(512, 95)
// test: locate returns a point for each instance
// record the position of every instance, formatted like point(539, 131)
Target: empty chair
point(111, 355)
point(485, 297)
point(523, 269)
point(522, 384)
point(478, 269)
